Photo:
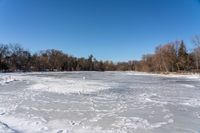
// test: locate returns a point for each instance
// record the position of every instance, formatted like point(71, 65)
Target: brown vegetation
point(171, 57)
point(15, 58)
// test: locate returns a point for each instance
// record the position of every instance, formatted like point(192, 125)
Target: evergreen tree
point(182, 57)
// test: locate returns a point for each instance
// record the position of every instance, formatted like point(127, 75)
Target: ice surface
point(64, 86)
point(100, 102)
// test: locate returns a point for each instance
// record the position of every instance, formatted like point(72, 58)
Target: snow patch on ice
point(131, 123)
point(188, 76)
point(24, 125)
point(64, 86)
point(192, 102)
point(171, 75)
point(7, 79)
point(188, 85)
point(138, 73)
point(4, 128)
point(150, 98)
point(134, 123)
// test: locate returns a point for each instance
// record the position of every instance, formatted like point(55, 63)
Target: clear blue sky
point(109, 29)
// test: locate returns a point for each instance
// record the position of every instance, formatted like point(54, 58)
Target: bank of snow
point(174, 75)
point(170, 75)
point(7, 78)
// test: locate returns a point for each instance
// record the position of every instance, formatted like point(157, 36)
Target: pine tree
point(182, 57)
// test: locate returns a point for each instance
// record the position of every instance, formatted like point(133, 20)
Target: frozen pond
point(97, 102)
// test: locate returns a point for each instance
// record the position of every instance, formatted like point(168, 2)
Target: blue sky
point(117, 30)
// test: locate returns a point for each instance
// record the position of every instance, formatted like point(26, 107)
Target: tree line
point(170, 57)
point(14, 58)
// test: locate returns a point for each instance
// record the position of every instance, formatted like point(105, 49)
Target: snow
point(100, 102)
point(193, 102)
point(68, 85)
point(4, 128)
point(170, 75)
point(189, 76)
point(6, 79)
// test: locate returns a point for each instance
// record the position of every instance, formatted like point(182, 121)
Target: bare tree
point(4, 57)
point(196, 42)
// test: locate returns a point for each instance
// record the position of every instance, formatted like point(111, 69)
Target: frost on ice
point(100, 102)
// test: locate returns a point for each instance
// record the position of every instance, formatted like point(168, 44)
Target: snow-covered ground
point(98, 102)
